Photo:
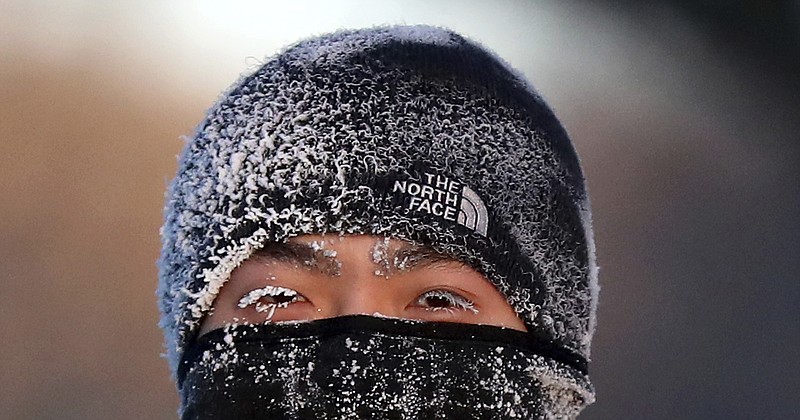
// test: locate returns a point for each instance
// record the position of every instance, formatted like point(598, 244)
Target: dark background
point(685, 115)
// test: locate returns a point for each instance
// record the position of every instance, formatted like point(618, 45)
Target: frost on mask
point(362, 367)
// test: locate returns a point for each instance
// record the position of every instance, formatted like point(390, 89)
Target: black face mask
point(361, 367)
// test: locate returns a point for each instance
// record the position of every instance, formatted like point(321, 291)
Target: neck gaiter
point(362, 367)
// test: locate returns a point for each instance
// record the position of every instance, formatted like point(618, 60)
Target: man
point(381, 223)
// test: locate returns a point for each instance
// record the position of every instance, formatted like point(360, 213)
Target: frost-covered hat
point(411, 132)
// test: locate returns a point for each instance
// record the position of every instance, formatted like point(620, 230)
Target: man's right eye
point(446, 300)
point(269, 298)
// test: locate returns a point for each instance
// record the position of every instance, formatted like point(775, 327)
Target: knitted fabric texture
point(414, 133)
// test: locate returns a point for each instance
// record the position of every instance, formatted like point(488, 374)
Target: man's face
point(314, 277)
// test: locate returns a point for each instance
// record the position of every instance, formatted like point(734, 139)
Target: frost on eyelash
point(453, 299)
point(253, 298)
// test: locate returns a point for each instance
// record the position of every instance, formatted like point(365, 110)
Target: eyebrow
point(300, 255)
point(407, 257)
point(411, 257)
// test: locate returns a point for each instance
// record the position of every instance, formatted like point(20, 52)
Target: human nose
point(361, 300)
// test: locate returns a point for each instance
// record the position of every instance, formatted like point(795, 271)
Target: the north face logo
point(445, 198)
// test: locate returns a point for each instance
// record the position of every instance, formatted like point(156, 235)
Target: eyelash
point(256, 298)
point(452, 299)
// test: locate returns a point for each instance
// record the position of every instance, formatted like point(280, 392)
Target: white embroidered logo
point(445, 198)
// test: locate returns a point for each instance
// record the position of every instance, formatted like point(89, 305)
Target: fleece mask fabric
point(361, 367)
point(408, 132)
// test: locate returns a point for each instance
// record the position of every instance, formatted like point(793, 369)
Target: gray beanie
point(410, 132)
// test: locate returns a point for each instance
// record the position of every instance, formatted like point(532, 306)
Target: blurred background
point(685, 115)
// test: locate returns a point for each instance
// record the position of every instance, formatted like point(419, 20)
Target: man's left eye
point(445, 300)
point(269, 298)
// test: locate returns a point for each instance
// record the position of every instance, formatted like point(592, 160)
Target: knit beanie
point(408, 132)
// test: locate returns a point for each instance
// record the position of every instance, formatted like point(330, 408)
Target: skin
point(314, 277)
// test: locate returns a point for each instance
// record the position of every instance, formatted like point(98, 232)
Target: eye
point(269, 298)
point(445, 300)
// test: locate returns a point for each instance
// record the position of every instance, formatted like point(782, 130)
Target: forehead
point(319, 252)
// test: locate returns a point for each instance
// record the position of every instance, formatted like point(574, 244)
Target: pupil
point(282, 298)
point(437, 302)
